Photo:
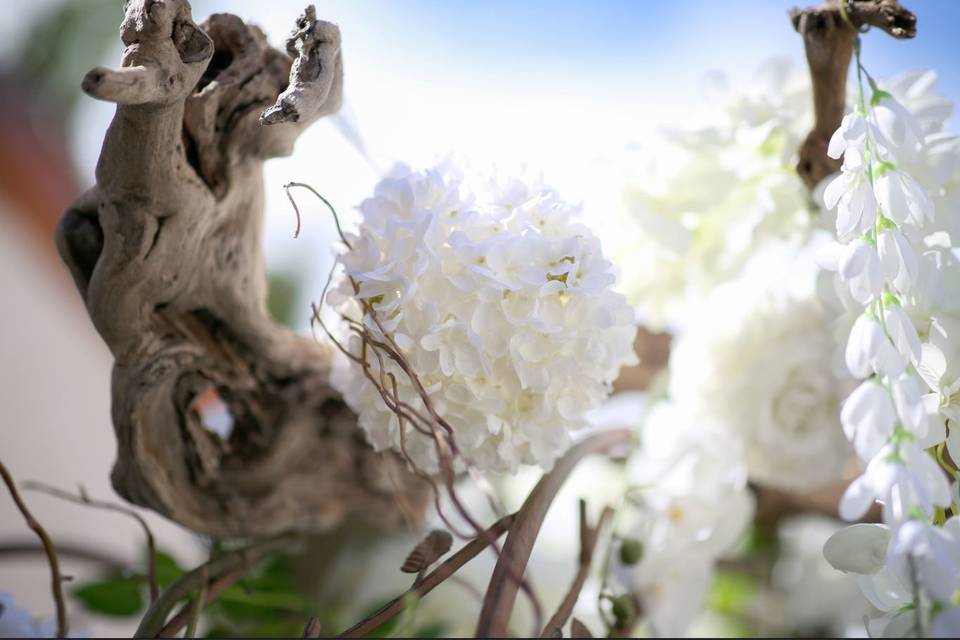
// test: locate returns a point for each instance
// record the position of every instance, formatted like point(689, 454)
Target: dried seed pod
point(430, 549)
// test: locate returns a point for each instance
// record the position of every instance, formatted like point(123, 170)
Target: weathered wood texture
point(166, 252)
point(828, 40)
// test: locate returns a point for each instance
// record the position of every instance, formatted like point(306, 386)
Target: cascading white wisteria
point(910, 565)
point(500, 300)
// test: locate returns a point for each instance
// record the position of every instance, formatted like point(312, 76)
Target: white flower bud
point(860, 267)
point(898, 259)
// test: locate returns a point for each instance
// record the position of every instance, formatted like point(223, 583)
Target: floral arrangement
point(481, 332)
point(792, 354)
point(772, 332)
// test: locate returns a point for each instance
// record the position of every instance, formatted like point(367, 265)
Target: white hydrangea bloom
point(759, 363)
point(501, 302)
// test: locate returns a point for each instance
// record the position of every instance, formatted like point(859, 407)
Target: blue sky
point(642, 40)
point(647, 45)
point(546, 85)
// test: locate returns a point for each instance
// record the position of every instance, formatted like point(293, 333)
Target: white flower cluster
point(899, 343)
point(701, 198)
point(753, 361)
point(694, 506)
point(500, 301)
point(759, 365)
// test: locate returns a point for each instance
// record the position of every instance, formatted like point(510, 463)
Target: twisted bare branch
point(430, 581)
point(56, 577)
point(502, 590)
point(84, 499)
point(589, 536)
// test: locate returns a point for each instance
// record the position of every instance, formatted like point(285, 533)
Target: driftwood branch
point(828, 38)
point(502, 590)
point(653, 354)
point(56, 577)
point(316, 77)
point(166, 253)
point(589, 536)
point(773, 505)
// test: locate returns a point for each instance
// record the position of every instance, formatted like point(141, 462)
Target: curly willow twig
point(84, 499)
point(56, 578)
point(382, 346)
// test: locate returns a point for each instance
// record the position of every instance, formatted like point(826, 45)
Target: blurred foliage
point(62, 46)
point(113, 597)
point(404, 625)
point(732, 592)
point(282, 297)
point(267, 602)
point(730, 596)
point(761, 543)
point(126, 595)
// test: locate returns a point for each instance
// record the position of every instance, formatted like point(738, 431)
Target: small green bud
point(884, 167)
point(631, 551)
point(885, 223)
point(890, 300)
point(623, 610)
point(878, 96)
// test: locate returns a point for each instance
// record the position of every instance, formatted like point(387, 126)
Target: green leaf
point(113, 597)
point(290, 602)
point(167, 568)
point(433, 630)
point(277, 574)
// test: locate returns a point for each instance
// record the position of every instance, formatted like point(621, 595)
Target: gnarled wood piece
point(166, 252)
point(315, 49)
point(828, 41)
